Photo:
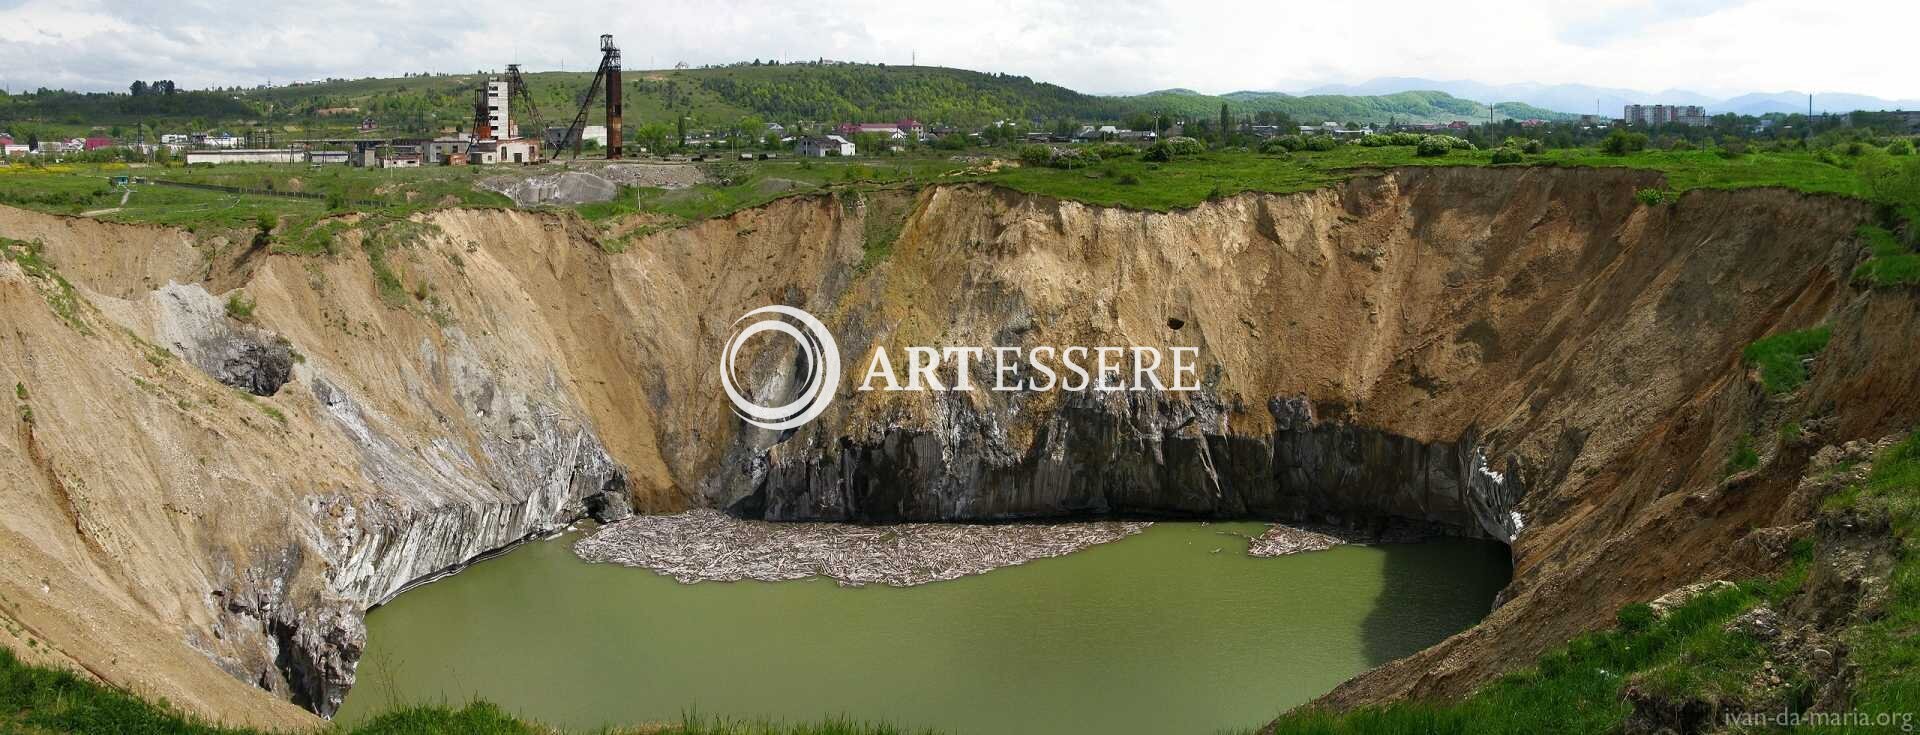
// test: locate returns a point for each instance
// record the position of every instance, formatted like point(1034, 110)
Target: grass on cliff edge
point(36, 700)
point(1780, 357)
point(1889, 264)
point(1189, 180)
point(1690, 653)
point(1124, 181)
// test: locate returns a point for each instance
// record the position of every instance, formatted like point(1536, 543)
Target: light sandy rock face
point(1523, 355)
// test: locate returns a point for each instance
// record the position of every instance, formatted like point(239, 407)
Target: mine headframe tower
point(608, 75)
point(517, 90)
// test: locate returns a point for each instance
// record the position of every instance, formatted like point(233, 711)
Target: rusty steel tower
point(609, 75)
point(610, 64)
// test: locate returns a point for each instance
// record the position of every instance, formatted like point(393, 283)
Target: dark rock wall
point(1142, 455)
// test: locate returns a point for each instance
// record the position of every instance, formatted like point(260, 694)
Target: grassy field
point(1187, 181)
point(1124, 179)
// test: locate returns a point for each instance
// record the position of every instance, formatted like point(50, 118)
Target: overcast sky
point(1718, 47)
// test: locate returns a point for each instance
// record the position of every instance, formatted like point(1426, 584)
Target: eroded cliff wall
point(1524, 354)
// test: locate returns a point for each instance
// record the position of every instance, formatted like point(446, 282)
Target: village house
point(908, 129)
point(821, 146)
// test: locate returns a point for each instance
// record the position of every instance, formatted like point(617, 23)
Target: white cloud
point(1711, 46)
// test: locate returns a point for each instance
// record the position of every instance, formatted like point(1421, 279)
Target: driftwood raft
point(1284, 540)
point(710, 546)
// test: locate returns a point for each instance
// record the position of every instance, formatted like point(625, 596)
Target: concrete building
point(595, 133)
point(1649, 115)
point(215, 140)
point(499, 113)
point(328, 158)
point(821, 146)
point(517, 150)
point(438, 151)
point(246, 155)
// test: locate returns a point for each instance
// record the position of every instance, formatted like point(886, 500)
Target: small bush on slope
point(1779, 357)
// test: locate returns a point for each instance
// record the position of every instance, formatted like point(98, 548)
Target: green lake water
point(1156, 633)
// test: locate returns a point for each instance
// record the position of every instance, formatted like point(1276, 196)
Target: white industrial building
point(247, 155)
point(499, 112)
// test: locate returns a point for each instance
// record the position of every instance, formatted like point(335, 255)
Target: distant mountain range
point(1587, 99)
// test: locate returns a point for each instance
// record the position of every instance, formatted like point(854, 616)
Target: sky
point(1714, 47)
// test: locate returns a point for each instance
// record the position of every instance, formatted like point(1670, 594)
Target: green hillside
point(828, 93)
point(1406, 107)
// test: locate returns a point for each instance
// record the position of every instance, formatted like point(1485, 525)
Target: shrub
point(1889, 263)
point(1902, 147)
point(1073, 158)
point(239, 307)
point(1158, 152)
point(1856, 148)
point(1505, 154)
point(1378, 140)
point(1035, 155)
point(1651, 197)
point(1114, 150)
point(1182, 145)
point(1744, 457)
point(1635, 617)
point(1321, 143)
point(1534, 147)
point(1778, 357)
point(1282, 144)
point(1433, 146)
point(1732, 149)
point(1621, 142)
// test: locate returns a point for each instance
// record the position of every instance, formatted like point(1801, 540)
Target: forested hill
point(723, 95)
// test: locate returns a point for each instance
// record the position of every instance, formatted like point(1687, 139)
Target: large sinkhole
point(1449, 360)
point(1176, 629)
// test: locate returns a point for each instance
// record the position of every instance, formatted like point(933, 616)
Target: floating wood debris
point(711, 546)
point(1284, 540)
